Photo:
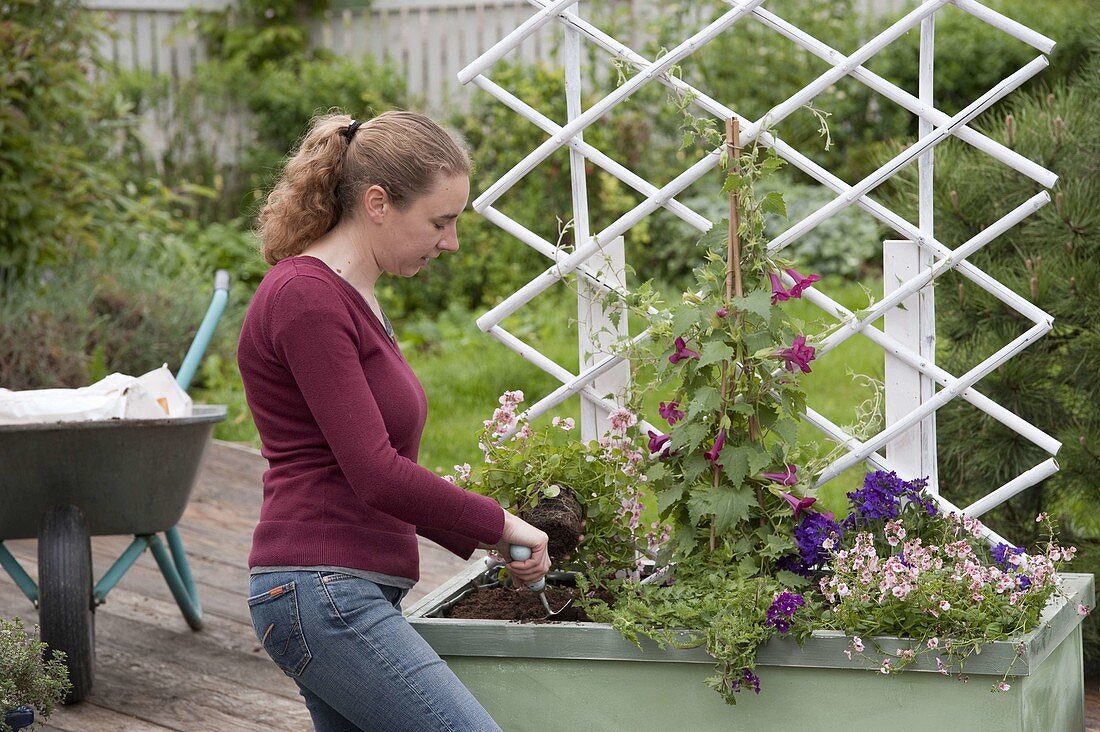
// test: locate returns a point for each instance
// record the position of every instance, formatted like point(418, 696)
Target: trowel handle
point(520, 553)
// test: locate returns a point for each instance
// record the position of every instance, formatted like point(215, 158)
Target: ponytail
point(403, 152)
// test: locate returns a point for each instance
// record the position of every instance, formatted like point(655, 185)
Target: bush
point(26, 678)
point(71, 325)
point(53, 182)
point(1051, 258)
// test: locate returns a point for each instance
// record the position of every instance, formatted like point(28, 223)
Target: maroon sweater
point(340, 415)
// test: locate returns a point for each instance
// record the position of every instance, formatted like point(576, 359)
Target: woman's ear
point(375, 203)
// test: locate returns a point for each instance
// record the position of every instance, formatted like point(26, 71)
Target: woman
point(340, 415)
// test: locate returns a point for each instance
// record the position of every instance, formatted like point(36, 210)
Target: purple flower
point(798, 505)
point(782, 608)
point(682, 351)
point(801, 283)
point(779, 293)
point(670, 412)
point(657, 442)
point(882, 496)
point(809, 537)
point(722, 312)
point(787, 477)
point(747, 680)
point(1023, 581)
point(798, 355)
point(1002, 552)
point(712, 453)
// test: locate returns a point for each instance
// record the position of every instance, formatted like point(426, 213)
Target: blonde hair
point(403, 152)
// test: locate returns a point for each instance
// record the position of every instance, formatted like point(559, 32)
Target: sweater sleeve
point(312, 333)
point(457, 544)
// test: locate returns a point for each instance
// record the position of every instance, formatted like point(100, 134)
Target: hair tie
point(349, 132)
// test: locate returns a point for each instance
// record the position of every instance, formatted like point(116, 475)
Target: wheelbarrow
point(65, 482)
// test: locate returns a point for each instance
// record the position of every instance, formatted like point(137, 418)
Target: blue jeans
point(357, 661)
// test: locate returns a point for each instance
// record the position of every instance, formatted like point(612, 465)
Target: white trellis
point(915, 386)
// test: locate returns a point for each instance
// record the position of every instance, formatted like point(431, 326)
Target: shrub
point(26, 678)
point(53, 182)
point(1051, 259)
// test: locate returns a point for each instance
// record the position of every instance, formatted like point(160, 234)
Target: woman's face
point(413, 236)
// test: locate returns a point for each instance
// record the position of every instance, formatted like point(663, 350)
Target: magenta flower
point(799, 354)
point(682, 351)
point(801, 283)
point(787, 477)
point(798, 505)
point(670, 412)
point(712, 453)
point(722, 312)
point(657, 442)
point(778, 292)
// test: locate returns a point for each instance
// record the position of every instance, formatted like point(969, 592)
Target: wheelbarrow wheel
point(66, 608)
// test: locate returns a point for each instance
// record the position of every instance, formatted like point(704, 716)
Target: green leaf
point(713, 352)
point(706, 399)
point(687, 435)
point(735, 462)
point(729, 506)
point(668, 497)
point(787, 430)
point(758, 302)
point(683, 319)
point(773, 203)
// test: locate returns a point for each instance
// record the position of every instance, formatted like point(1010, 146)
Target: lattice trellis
point(916, 387)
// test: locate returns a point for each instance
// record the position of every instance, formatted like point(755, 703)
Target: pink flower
point(779, 293)
point(801, 283)
point(670, 412)
point(712, 453)
point(788, 477)
point(798, 355)
point(722, 312)
point(565, 424)
point(1002, 686)
point(657, 442)
point(857, 644)
point(798, 505)
point(1083, 609)
point(941, 668)
point(682, 351)
point(621, 420)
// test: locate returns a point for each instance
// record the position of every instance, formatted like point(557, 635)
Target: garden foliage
point(26, 677)
point(1053, 259)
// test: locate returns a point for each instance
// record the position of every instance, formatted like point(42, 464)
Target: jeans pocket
point(278, 625)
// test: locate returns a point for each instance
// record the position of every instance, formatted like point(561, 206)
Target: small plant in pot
point(584, 496)
point(29, 683)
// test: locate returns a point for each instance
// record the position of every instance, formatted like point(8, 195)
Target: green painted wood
point(499, 638)
point(558, 694)
point(567, 676)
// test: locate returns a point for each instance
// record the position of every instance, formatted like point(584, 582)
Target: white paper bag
point(154, 395)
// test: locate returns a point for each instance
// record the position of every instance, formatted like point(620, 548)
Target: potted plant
point(570, 489)
point(755, 585)
point(29, 682)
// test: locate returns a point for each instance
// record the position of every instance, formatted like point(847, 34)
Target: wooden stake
point(733, 256)
point(734, 286)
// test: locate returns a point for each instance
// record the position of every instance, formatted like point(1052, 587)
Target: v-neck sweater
point(340, 416)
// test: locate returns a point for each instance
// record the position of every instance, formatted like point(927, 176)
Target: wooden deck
point(153, 673)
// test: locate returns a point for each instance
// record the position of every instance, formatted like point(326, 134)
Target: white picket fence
point(428, 40)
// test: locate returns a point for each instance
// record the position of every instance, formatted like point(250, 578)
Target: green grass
point(464, 371)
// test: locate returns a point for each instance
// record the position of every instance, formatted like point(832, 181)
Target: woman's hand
point(518, 531)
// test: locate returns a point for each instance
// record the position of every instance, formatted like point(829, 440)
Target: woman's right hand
point(518, 531)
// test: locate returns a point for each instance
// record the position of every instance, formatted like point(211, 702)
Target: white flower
point(857, 644)
point(1002, 686)
point(566, 424)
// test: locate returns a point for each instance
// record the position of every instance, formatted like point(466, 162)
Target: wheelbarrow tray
point(127, 476)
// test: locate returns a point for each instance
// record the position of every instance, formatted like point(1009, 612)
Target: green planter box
point(585, 676)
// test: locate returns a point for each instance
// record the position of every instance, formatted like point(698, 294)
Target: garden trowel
point(521, 553)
